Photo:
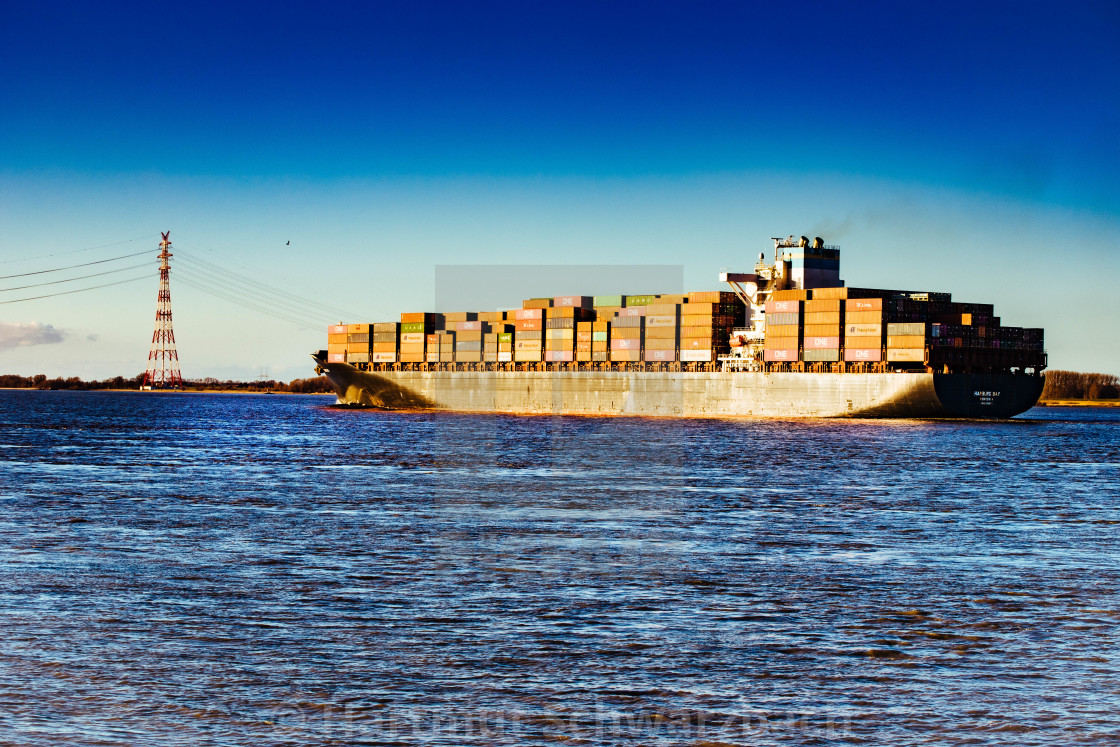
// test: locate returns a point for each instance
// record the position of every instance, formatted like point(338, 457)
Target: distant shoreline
point(1078, 403)
point(167, 391)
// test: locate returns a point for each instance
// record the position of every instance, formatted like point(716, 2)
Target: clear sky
point(961, 147)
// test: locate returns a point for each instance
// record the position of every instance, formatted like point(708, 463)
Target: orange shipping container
point(829, 293)
point(873, 342)
point(864, 317)
point(863, 304)
point(711, 297)
point(822, 317)
point(782, 330)
point(793, 294)
point(781, 343)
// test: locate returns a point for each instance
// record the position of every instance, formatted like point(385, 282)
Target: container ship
point(789, 339)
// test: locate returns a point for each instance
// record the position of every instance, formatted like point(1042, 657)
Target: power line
point(79, 290)
point(71, 280)
point(71, 267)
point(261, 286)
point(216, 282)
point(76, 251)
point(240, 301)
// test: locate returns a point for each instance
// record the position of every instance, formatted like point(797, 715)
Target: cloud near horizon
point(23, 334)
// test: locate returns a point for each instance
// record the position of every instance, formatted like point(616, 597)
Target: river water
point(242, 570)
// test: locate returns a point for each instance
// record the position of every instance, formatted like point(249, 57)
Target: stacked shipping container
point(822, 325)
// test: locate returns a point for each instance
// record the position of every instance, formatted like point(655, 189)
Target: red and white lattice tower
point(163, 361)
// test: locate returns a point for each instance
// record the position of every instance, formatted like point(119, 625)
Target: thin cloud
point(25, 334)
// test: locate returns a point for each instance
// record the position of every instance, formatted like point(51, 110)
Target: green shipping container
point(607, 301)
point(820, 356)
point(412, 327)
point(639, 300)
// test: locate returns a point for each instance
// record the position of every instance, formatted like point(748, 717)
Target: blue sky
point(944, 147)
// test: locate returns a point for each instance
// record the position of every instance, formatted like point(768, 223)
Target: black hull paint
point(987, 395)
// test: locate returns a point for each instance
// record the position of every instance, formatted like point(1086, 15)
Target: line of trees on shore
point(1074, 385)
point(315, 385)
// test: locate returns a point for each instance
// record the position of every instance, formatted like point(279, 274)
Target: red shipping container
point(856, 355)
point(336, 329)
point(336, 357)
point(822, 343)
point(469, 326)
point(632, 311)
point(528, 314)
point(559, 356)
point(580, 301)
point(781, 354)
point(661, 355)
point(783, 307)
point(624, 343)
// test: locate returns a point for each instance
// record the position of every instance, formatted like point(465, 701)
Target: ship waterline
point(718, 394)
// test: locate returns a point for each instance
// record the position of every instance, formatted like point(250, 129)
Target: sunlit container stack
point(863, 330)
point(707, 320)
point(821, 331)
point(385, 346)
point(565, 314)
point(528, 331)
point(902, 328)
point(628, 332)
point(783, 328)
point(336, 343)
point(469, 331)
point(415, 328)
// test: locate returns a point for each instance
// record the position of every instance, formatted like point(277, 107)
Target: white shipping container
point(696, 356)
point(906, 355)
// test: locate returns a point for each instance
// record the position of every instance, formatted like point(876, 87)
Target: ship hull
point(690, 394)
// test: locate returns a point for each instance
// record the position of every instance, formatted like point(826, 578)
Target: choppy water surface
point(192, 569)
